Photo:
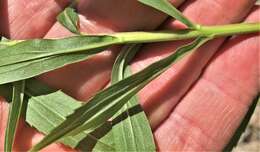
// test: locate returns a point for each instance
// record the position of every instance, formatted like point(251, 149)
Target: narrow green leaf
point(6, 89)
point(234, 140)
point(45, 112)
point(33, 68)
point(124, 57)
point(22, 54)
point(69, 19)
point(47, 108)
point(131, 129)
point(51, 110)
point(168, 8)
point(30, 58)
point(40, 48)
point(106, 103)
point(14, 114)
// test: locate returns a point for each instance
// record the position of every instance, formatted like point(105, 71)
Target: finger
point(3, 120)
point(208, 115)
point(75, 77)
point(22, 19)
point(83, 80)
point(160, 96)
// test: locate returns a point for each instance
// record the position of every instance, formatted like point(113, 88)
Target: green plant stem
point(161, 36)
point(213, 31)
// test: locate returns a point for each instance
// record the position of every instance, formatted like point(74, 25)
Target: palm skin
point(195, 105)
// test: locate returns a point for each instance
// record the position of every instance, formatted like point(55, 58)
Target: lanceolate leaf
point(21, 54)
point(166, 7)
point(131, 130)
point(24, 70)
point(40, 48)
point(69, 19)
point(109, 101)
point(123, 59)
point(14, 114)
point(45, 112)
point(30, 58)
point(48, 108)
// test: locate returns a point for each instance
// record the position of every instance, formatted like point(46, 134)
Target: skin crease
point(162, 135)
point(227, 97)
point(17, 25)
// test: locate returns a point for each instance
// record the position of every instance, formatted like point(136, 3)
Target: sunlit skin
point(195, 105)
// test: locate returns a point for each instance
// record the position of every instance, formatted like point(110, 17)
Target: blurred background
point(250, 140)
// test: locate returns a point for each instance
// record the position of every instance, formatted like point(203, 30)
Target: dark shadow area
point(37, 88)
point(130, 112)
point(6, 92)
point(89, 143)
point(4, 20)
point(62, 3)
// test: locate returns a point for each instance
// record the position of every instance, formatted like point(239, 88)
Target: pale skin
point(195, 105)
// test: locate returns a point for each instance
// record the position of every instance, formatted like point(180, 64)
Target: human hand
point(195, 105)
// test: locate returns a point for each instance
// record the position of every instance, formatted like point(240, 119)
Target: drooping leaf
point(241, 129)
point(47, 108)
point(69, 19)
point(131, 130)
point(166, 7)
point(108, 102)
point(14, 114)
point(30, 58)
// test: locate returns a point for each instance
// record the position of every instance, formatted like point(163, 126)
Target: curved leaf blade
point(47, 108)
point(124, 57)
point(69, 19)
point(14, 114)
point(167, 8)
point(109, 101)
point(131, 129)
